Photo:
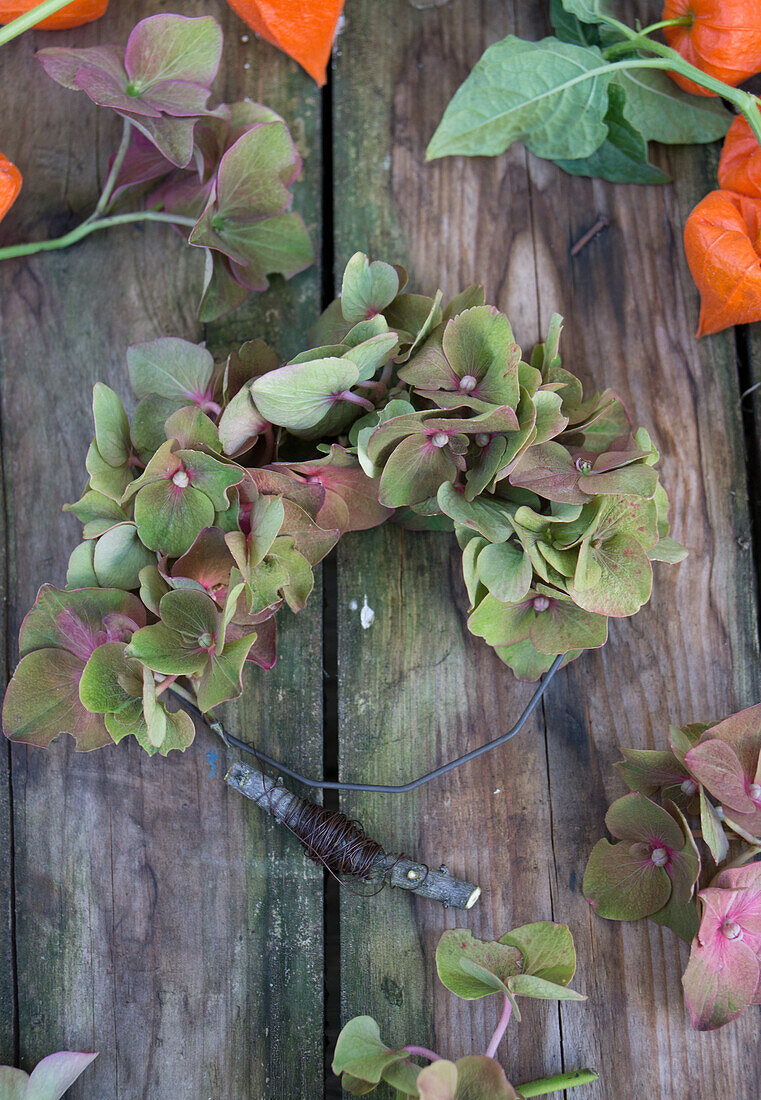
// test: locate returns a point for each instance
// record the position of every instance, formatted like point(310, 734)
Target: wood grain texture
point(160, 918)
point(417, 689)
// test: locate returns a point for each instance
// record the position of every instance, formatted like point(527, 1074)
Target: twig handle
point(283, 805)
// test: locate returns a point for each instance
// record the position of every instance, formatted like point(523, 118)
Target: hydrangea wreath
point(212, 507)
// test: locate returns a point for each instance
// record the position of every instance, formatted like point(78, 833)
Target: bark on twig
point(405, 873)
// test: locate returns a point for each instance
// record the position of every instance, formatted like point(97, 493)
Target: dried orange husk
point(10, 185)
point(73, 15)
point(722, 240)
point(304, 29)
point(723, 39)
point(740, 164)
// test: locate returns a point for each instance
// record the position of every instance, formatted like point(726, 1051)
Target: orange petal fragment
point(722, 240)
point(740, 164)
point(304, 29)
point(73, 15)
point(723, 39)
point(10, 185)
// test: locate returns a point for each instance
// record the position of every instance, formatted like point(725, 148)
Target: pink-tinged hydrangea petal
point(742, 731)
point(716, 765)
point(722, 976)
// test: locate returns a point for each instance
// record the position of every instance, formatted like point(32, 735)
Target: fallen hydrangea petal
point(723, 974)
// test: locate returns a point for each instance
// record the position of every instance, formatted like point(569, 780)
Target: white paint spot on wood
point(366, 615)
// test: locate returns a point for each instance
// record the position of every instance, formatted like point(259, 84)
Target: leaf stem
point(30, 19)
point(116, 167)
point(504, 1020)
point(84, 230)
point(559, 1082)
point(424, 1052)
point(347, 395)
point(165, 683)
point(681, 21)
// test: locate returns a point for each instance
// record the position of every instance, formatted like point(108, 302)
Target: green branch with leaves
point(221, 177)
point(536, 960)
point(589, 98)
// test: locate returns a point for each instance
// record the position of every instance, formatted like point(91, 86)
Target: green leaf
point(661, 111)
point(368, 288)
point(192, 428)
point(621, 885)
point(104, 478)
point(496, 960)
point(111, 425)
point(172, 47)
point(160, 649)
point(506, 571)
point(221, 678)
point(169, 521)
point(614, 578)
point(712, 829)
point(119, 556)
point(623, 156)
point(438, 1081)
point(42, 702)
point(298, 396)
point(549, 94)
point(170, 368)
point(106, 677)
point(414, 472)
point(254, 174)
point(668, 550)
point(81, 573)
point(589, 11)
point(79, 620)
point(680, 916)
point(569, 28)
point(547, 950)
point(241, 424)
point(527, 985)
point(96, 512)
point(362, 1054)
point(191, 613)
point(53, 1076)
point(252, 184)
point(489, 517)
point(278, 245)
point(148, 423)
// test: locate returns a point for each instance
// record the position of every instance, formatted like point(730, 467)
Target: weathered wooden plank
point(692, 653)
point(416, 689)
point(160, 919)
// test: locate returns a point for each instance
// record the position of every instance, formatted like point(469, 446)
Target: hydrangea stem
point(113, 175)
point(31, 18)
point(84, 230)
point(504, 1020)
point(424, 1052)
point(559, 1082)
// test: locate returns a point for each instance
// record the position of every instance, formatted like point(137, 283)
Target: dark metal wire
point(380, 788)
